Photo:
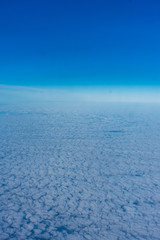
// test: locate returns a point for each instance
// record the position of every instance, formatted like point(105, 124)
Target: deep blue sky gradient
point(80, 43)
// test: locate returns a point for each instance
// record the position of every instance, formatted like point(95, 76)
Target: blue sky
point(80, 43)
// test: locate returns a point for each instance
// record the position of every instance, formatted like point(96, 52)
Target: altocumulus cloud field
point(75, 172)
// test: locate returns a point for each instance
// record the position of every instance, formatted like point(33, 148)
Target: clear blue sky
point(80, 42)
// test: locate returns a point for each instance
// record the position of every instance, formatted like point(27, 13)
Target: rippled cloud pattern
point(80, 172)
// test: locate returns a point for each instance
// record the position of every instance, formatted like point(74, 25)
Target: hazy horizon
point(10, 94)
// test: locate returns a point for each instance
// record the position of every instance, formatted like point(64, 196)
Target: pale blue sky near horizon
point(23, 94)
